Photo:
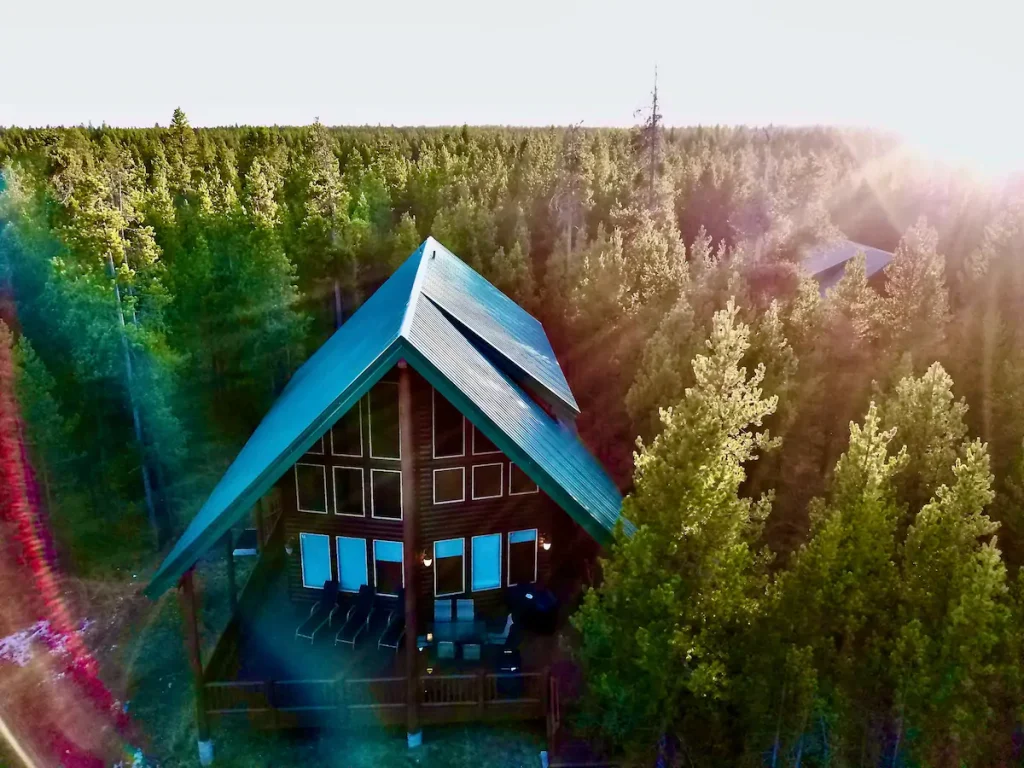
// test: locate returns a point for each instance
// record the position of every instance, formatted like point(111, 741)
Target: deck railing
point(355, 701)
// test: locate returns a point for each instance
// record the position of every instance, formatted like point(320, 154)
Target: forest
point(828, 491)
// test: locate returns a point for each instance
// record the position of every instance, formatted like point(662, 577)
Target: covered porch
point(260, 673)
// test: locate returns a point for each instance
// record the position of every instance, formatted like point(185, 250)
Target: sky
point(946, 76)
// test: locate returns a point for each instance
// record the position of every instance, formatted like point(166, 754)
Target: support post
point(190, 621)
point(409, 544)
point(261, 533)
point(229, 547)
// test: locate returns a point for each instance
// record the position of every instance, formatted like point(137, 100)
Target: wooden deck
point(260, 673)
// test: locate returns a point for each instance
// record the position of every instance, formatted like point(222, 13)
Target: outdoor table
point(457, 632)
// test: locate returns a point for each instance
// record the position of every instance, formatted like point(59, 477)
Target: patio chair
point(471, 651)
point(464, 610)
point(446, 650)
point(357, 619)
point(394, 629)
point(442, 611)
point(321, 613)
point(499, 638)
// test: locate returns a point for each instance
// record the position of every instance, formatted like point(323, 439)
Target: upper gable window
point(481, 444)
point(519, 483)
point(448, 429)
point(311, 488)
point(385, 432)
point(347, 433)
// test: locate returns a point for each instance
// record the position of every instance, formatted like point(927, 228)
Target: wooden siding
point(436, 522)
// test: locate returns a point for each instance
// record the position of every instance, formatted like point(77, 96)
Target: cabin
point(827, 263)
point(418, 490)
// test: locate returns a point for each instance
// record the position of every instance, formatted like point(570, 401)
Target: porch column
point(409, 549)
point(229, 546)
point(190, 621)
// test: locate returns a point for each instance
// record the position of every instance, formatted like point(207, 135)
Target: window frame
point(483, 453)
point(388, 541)
point(536, 556)
point(337, 554)
point(433, 429)
point(473, 562)
point(362, 485)
point(362, 448)
point(501, 481)
point(302, 559)
point(536, 488)
point(433, 477)
point(401, 496)
point(369, 419)
point(461, 539)
point(298, 504)
point(321, 451)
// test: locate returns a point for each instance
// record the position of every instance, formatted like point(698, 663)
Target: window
point(347, 433)
point(317, 448)
point(522, 557)
point(449, 430)
point(311, 488)
point(388, 575)
point(315, 554)
point(385, 433)
point(351, 563)
point(486, 562)
point(348, 492)
point(519, 483)
point(449, 568)
point(481, 444)
point(487, 480)
point(386, 494)
point(449, 485)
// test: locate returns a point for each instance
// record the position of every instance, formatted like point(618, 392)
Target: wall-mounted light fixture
point(426, 559)
point(545, 543)
point(289, 546)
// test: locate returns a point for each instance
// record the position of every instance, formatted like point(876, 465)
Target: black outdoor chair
point(394, 630)
point(358, 617)
point(321, 613)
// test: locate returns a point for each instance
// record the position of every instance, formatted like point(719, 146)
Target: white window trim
point(473, 560)
point(359, 409)
point(302, 561)
point(450, 501)
point(369, 418)
point(508, 556)
point(401, 499)
point(482, 453)
point(337, 554)
point(501, 480)
point(319, 442)
point(362, 485)
point(433, 430)
point(298, 504)
point(536, 488)
point(461, 591)
point(389, 541)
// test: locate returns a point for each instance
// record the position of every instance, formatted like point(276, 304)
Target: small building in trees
point(421, 470)
point(827, 263)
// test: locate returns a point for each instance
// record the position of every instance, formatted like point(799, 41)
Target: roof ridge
point(416, 289)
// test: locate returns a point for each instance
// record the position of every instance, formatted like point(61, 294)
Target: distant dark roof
point(827, 263)
point(473, 344)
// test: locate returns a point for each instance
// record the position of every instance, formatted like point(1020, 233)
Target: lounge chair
point(442, 611)
point(394, 629)
point(464, 610)
point(321, 613)
point(357, 619)
point(499, 638)
point(446, 650)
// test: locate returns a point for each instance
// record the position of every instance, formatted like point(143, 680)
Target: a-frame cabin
point(427, 450)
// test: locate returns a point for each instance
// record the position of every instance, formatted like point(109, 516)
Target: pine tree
point(916, 308)
point(659, 635)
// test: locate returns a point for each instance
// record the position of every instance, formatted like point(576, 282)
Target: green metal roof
point(471, 343)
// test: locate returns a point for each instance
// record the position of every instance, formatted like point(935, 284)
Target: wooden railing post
point(481, 686)
point(229, 547)
point(190, 621)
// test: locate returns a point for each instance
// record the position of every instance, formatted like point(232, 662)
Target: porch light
point(427, 559)
point(289, 546)
point(545, 543)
